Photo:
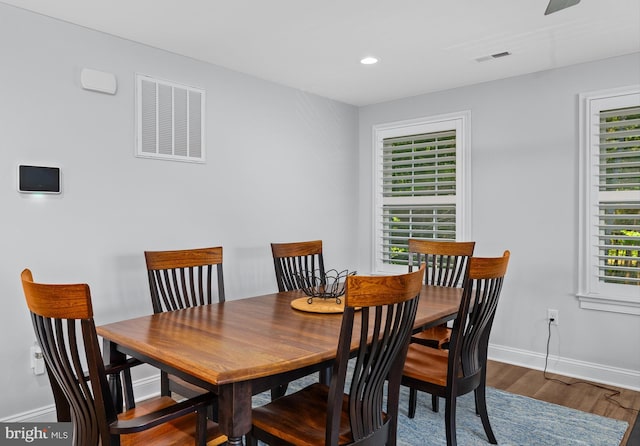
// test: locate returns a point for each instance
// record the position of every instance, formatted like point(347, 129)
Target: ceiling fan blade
point(557, 5)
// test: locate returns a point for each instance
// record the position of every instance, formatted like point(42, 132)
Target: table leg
point(324, 376)
point(113, 356)
point(234, 405)
point(278, 391)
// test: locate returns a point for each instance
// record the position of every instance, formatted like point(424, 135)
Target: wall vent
point(170, 120)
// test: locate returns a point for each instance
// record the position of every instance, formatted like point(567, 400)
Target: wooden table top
point(247, 339)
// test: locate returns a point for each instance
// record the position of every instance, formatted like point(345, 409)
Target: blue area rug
point(516, 421)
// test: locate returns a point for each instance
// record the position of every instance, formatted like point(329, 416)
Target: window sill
point(612, 304)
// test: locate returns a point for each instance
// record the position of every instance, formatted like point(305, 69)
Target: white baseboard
point(628, 379)
point(46, 414)
point(144, 388)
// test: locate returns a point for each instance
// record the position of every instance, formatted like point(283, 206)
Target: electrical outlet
point(552, 316)
point(37, 360)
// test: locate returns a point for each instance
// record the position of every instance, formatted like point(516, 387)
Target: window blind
point(618, 222)
point(418, 190)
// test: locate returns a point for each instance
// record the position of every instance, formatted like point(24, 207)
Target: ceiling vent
point(493, 56)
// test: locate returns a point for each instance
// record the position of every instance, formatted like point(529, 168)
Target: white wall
point(524, 162)
point(280, 167)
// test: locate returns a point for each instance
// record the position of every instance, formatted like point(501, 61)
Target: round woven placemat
point(319, 305)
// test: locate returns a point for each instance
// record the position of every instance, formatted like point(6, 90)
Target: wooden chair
point(181, 279)
point(296, 263)
point(293, 261)
point(321, 414)
point(185, 278)
point(462, 368)
point(62, 318)
point(446, 266)
point(447, 263)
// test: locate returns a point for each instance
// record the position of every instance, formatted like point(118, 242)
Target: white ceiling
point(316, 45)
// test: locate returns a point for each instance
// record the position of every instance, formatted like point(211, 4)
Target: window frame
point(592, 293)
point(461, 122)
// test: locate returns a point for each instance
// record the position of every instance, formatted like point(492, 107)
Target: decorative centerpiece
point(332, 287)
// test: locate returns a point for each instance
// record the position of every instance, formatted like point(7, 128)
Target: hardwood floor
point(584, 397)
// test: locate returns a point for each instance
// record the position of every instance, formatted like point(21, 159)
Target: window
point(170, 120)
point(421, 185)
point(610, 201)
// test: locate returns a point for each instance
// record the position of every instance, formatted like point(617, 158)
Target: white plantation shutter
point(419, 187)
point(612, 208)
point(169, 120)
point(419, 191)
point(618, 225)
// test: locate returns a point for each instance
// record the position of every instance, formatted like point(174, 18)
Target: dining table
point(242, 347)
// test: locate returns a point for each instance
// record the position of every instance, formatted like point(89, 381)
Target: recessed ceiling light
point(369, 61)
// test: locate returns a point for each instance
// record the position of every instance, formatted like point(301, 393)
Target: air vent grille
point(169, 120)
point(493, 56)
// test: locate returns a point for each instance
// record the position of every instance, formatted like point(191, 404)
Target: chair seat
point(433, 337)
point(426, 364)
point(180, 431)
point(301, 417)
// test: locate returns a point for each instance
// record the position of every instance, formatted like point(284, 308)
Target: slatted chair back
point(185, 278)
point(472, 326)
point(383, 341)
point(62, 318)
point(297, 263)
point(446, 261)
point(351, 409)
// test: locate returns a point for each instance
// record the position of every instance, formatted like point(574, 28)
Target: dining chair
point(181, 279)
point(325, 414)
point(447, 263)
point(446, 266)
point(462, 368)
point(62, 317)
point(296, 263)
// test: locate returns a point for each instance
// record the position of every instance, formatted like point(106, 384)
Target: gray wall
point(272, 150)
point(524, 164)
point(280, 167)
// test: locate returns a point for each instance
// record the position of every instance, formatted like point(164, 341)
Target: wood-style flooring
point(584, 397)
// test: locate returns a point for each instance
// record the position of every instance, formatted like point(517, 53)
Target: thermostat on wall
point(38, 179)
